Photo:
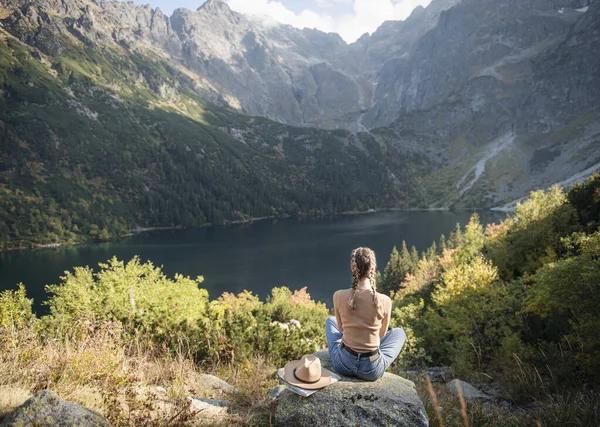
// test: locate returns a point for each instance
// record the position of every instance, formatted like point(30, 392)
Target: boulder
point(390, 401)
point(436, 375)
point(47, 409)
point(215, 383)
point(209, 406)
point(466, 389)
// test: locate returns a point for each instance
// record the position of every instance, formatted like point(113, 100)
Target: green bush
point(143, 301)
point(138, 295)
point(531, 236)
point(15, 309)
point(285, 327)
point(566, 294)
point(585, 198)
point(518, 304)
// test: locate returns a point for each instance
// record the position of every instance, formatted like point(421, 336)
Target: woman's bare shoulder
point(386, 300)
point(340, 293)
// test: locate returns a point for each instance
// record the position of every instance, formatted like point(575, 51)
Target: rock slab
point(467, 390)
point(390, 401)
point(209, 406)
point(216, 383)
point(46, 409)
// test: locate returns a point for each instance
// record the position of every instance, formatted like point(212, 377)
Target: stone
point(466, 389)
point(435, 374)
point(392, 400)
point(47, 409)
point(210, 381)
point(209, 406)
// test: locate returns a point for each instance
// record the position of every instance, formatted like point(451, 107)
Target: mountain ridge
point(485, 102)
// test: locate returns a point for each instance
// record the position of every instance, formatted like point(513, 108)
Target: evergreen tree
point(392, 273)
point(456, 237)
point(414, 258)
point(406, 259)
point(472, 240)
point(431, 252)
point(443, 245)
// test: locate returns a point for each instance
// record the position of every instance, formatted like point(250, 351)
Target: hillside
point(99, 141)
point(115, 117)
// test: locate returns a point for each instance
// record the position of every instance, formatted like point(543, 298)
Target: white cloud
point(366, 15)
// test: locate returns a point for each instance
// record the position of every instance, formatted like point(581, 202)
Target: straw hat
point(307, 373)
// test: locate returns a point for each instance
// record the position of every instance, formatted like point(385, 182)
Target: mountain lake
point(257, 257)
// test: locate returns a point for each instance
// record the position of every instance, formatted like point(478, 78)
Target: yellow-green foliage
point(518, 303)
point(531, 236)
point(413, 354)
point(142, 301)
point(472, 275)
point(138, 295)
point(567, 292)
point(15, 309)
point(285, 327)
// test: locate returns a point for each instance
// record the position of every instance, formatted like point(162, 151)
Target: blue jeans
point(362, 367)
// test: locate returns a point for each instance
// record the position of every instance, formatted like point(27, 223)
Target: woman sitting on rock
point(359, 343)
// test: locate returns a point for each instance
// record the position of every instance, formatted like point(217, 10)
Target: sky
point(349, 18)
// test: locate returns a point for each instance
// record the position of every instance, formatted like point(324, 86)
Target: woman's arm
point(336, 309)
point(385, 323)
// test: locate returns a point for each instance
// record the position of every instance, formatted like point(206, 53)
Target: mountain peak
point(217, 6)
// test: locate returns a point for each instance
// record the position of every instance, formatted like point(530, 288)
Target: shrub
point(175, 312)
point(531, 236)
point(15, 309)
point(285, 327)
point(566, 294)
point(137, 295)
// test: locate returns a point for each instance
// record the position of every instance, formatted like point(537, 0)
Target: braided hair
point(363, 264)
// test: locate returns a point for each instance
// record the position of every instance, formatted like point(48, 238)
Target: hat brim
point(291, 379)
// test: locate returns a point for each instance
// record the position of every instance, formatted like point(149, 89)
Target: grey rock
point(435, 374)
point(217, 384)
point(392, 400)
point(209, 406)
point(458, 387)
point(47, 409)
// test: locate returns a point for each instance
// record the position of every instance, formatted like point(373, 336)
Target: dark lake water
point(255, 257)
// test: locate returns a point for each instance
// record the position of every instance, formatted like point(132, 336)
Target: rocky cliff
point(495, 98)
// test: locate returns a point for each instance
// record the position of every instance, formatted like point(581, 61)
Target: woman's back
point(359, 343)
point(362, 325)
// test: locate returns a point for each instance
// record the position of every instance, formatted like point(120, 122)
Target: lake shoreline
point(142, 230)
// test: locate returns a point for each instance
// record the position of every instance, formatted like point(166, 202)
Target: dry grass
point(119, 379)
point(580, 408)
point(4, 12)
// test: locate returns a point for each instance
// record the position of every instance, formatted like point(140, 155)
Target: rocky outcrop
point(392, 400)
point(306, 77)
point(47, 409)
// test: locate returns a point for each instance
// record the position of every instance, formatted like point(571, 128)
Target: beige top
point(364, 325)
